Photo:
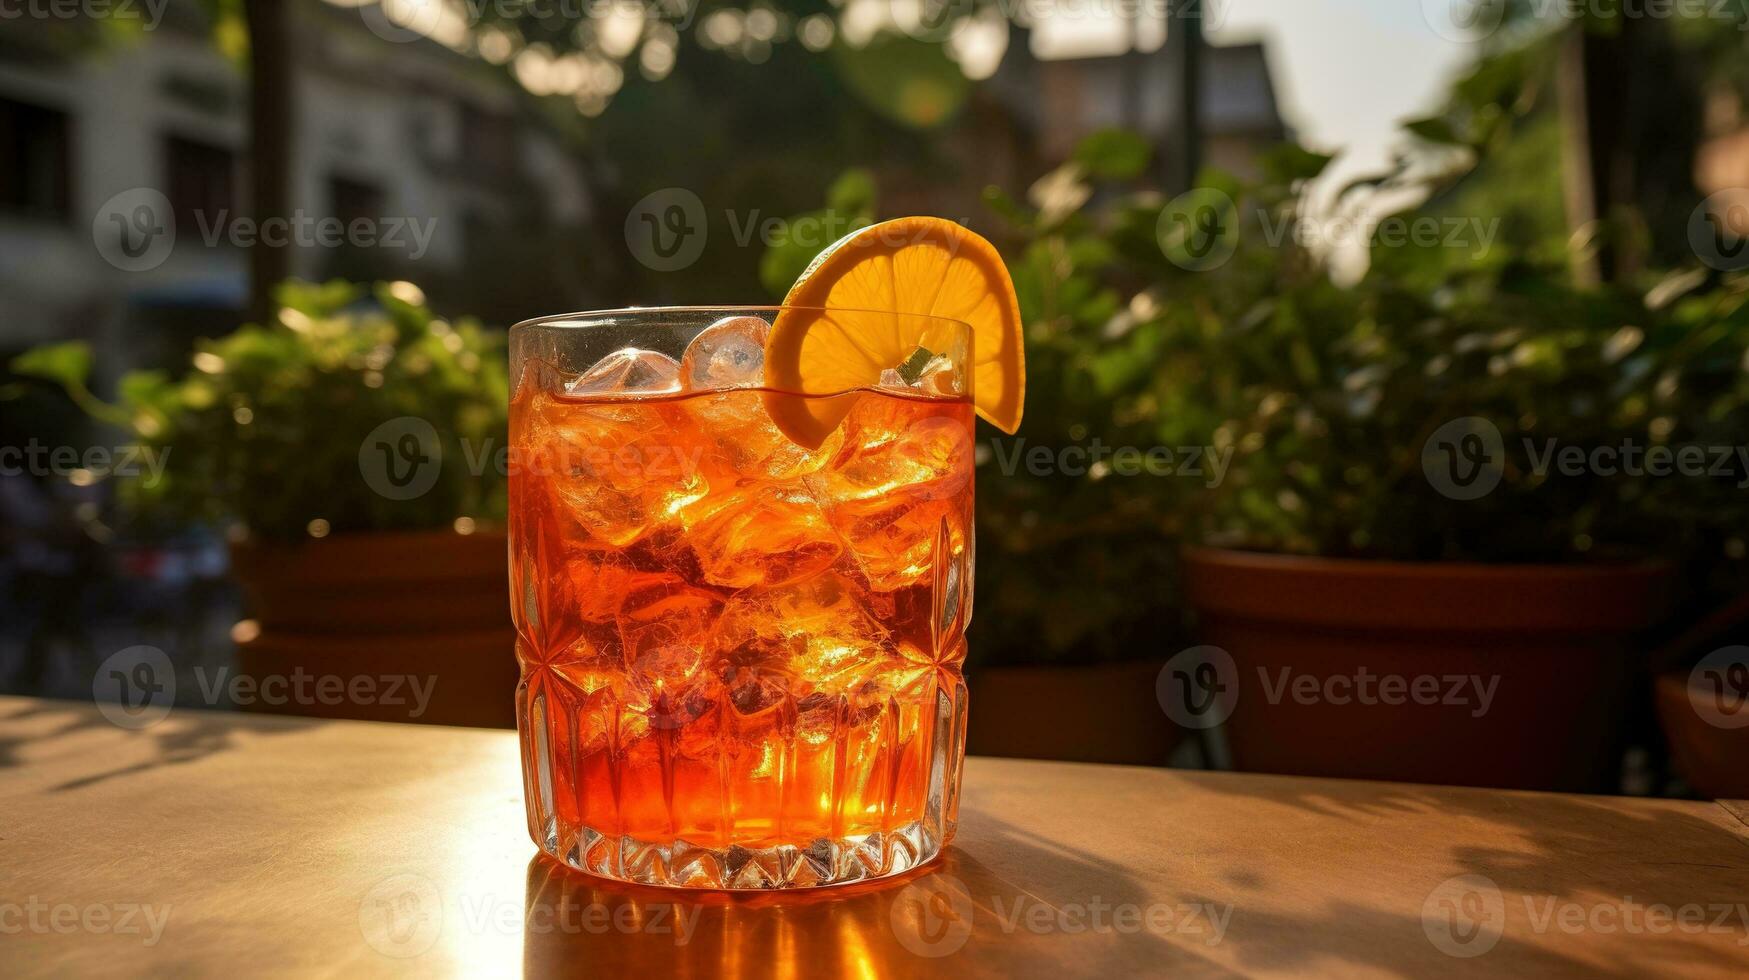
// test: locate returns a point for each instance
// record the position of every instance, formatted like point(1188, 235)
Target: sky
point(1346, 71)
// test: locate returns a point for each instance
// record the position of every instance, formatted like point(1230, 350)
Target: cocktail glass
point(740, 656)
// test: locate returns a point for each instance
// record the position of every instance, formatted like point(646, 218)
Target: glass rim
point(602, 318)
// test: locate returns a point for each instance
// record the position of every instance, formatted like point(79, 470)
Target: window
point(350, 200)
point(489, 145)
point(36, 161)
point(353, 200)
point(203, 181)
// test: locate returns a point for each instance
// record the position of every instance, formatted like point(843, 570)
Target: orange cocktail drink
point(741, 567)
point(741, 656)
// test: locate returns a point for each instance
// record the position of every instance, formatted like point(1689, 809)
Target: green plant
point(1326, 394)
point(268, 426)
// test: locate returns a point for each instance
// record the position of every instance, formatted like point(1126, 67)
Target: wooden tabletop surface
point(215, 844)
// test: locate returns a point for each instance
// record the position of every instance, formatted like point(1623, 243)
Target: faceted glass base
point(685, 865)
point(738, 802)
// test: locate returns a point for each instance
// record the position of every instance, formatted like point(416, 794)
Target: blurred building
point(430, 148)
point(1063, 100)
point(487, 200)
point(1029, 116)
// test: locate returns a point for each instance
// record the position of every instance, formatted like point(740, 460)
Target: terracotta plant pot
point(1096, 713)
point(1531, 665)
point(1712, 757)
point(431, 606)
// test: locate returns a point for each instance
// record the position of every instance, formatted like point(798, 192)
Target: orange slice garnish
point(832, 338)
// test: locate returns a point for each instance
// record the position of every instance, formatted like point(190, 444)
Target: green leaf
point(1090, 253)
point(789, 256)
point(1006, 207)
point(1434, 130)
point(145, 388)
point(850, 205)
point(1290, 163)
point(853, 193)
point(1220, 180)
point(67, 364)
point(1113, 154)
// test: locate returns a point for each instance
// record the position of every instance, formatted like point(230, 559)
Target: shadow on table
point(184, 736)
point(955, 917)
point(1558, 852)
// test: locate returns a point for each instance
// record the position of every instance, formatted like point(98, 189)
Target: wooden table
point(216, 844)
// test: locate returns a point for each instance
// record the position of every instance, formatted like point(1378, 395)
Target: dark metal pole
point(1596, 80)
point(1184, 47)
point(270, 144)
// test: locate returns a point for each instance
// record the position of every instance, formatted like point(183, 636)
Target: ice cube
point(941, 377)
point(729, 353)
point(664, 625)
point(760, 535)
point(923, 371)
point(621, 466)
point(629, 371)
point(742, 443)
point(902, 474)
point(816, 631)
